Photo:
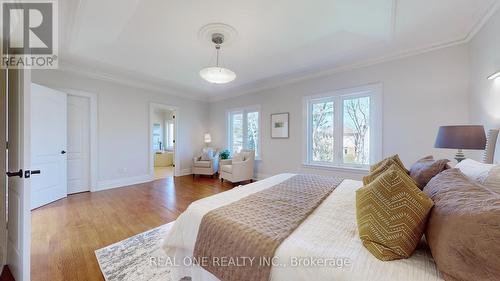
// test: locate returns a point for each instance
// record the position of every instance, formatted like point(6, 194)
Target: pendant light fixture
point(217, 74)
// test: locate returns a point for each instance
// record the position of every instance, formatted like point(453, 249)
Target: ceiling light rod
point(494, 75)
point(217, 74)
point(218, 39)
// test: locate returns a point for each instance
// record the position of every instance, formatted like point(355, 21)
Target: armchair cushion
point(227, 168)
point(202, 164)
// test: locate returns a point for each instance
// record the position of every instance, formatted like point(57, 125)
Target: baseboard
point(260, 176)
point(184, 172)
point(109, 184)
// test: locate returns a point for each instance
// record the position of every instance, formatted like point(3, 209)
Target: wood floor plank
point(66, 233)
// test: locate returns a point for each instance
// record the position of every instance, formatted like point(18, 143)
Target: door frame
point(94, 168)
point(3, 167)
point(151, 153)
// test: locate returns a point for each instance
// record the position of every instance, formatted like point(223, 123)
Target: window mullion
point(338, 101)
point(245, 128)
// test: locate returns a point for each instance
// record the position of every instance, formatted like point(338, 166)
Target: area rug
point(130, 259)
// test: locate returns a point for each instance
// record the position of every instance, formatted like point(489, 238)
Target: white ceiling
point(155, 42)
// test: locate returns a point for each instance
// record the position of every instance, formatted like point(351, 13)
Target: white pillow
point(485, 174)
point(238, 157)
point(474, 170)
point(207, 154)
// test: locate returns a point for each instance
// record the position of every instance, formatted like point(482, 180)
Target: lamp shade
point(217, 75)
point(461, 137)
point(208, 138)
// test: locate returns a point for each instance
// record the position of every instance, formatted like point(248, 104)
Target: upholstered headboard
point(489, 151)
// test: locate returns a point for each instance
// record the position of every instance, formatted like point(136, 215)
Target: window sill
point(338, 168)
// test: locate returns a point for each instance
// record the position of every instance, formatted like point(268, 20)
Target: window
point(343, 128)
point(244, 129)
point(169, 132)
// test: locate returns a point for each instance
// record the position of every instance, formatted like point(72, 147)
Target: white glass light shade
point(217, 75)
point(494, 75)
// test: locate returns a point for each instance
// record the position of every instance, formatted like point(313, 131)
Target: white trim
point(151, 152)
point(94, 137)
point(185, 172)
point(484, 19)
point(244, 110)
point(132, 79)
point(110, 184)
point(375, 91)
point(75, 65)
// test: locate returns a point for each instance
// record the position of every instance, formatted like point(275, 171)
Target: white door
point(19, 157)
point(78, 144)
point(48, 145)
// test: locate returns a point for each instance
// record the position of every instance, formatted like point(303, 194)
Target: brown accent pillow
point(394, 158)
point(426, 168)
point(463, 230)
point(384, 166)
point(391, 213)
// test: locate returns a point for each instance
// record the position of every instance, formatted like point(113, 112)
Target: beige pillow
point(463, 231)
point(384, 166)
point(391, 214)
point(238, 157)
point(426, 168)
point(394, 158)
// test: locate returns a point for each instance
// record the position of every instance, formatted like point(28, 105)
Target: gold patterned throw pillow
point(391, 213)
point(395, 158)
point(384, 166)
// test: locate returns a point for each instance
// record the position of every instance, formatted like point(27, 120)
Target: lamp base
point(460, 156)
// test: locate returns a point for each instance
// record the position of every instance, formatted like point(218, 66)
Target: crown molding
point(279, 81)
point(268, 84)
point(130, 79)
point(157, 85)
point(484, 19)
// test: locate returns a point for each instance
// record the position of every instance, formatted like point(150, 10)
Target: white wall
point(484, 51)
point(420, 94)
point(123, 125)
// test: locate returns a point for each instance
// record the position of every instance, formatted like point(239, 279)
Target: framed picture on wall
point(279, 125)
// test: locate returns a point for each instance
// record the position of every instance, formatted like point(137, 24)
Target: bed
point(330, 231)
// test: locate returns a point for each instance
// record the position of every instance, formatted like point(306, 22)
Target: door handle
point(63, 152)
point(28, 173)
point(15, 174)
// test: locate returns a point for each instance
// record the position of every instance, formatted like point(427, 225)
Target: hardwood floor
point(66, 233)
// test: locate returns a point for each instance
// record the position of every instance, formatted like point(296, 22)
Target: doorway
point(62, 138)
point(163, 147)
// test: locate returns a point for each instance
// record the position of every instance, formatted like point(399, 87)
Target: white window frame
point(229, 129)
point(374, 91)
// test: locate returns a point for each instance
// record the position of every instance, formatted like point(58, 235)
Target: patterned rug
point(130, 259)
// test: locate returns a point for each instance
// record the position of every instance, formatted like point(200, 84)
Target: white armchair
point(238, 170)
point(206, 167)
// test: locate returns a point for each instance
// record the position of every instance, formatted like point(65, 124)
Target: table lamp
point(461, 137)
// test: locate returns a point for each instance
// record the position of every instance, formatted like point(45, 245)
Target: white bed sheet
point(330, 233)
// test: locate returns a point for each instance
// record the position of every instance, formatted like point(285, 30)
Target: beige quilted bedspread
point(237, 241)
